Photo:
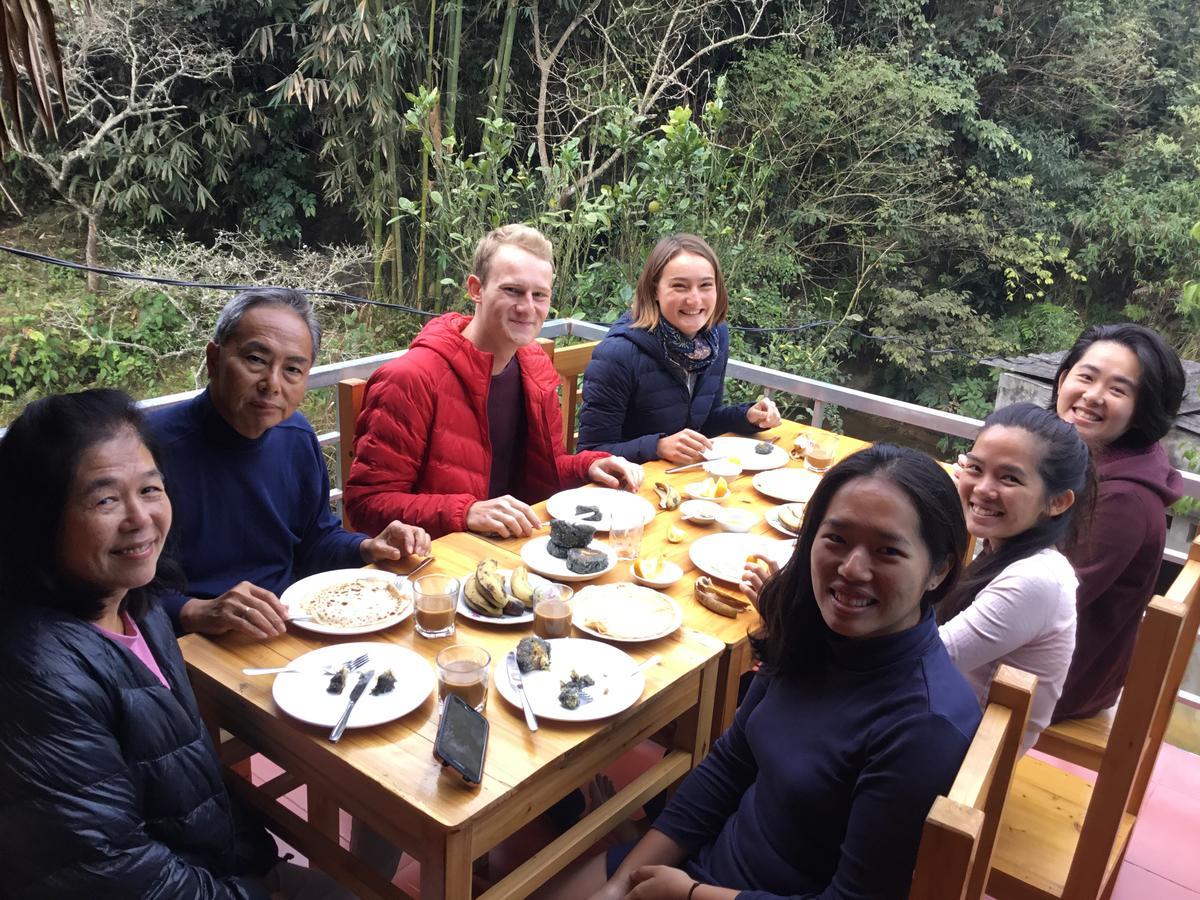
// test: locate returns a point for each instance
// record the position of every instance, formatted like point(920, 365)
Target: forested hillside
point(897, 189)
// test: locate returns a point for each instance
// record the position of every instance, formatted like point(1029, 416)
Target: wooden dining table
point(736, 659)
point(388, 777)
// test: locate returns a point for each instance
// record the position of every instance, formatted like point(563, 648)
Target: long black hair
point(1064, 464)
point(1159, 391)
point(39, 457)
point(789, 642)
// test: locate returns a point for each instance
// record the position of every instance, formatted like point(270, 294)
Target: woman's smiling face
point(1098, 395)
point(687, 292)
point(870, 566)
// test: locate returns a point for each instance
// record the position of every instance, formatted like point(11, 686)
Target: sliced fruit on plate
point(648, 567)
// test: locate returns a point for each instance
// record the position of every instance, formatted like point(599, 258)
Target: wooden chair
point(1084, 741)
point(350, 392)
point(960, 830)
point(570, 363)
point(1060, 837)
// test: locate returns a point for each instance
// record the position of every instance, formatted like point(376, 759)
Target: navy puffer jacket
point(109, 785)
point(631, 397)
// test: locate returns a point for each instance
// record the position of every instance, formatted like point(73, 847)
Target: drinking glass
point(625, 536)
point(463, 670)
point(435, 598)
point(821, 452)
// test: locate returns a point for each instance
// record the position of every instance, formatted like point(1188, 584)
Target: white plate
point(724, 555)
point(304, 695)
point(693, 489)
point(671, 573)
point(788, 485)
point(602, 597)
point(772, 518)
point(293, 598)
point(609, 500)
point(702, 512)
point(534, 555)
point(527, 616)
point(618, 686)
point(743, 449)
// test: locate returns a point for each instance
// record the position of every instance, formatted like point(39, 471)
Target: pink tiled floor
point(1161, 864)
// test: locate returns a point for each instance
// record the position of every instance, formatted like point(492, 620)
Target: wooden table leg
point(735, 661)
point(323, 813)
point(446, 867)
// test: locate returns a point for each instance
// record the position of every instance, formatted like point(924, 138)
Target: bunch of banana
point(718, 599)
point(668, 497)
point(484, 592)
point(791, 516)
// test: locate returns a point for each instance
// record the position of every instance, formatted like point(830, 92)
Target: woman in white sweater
point(1022, 486)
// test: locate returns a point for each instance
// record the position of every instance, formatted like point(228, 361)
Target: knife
point(514, 678)
point(694, 465)
point(357, 691)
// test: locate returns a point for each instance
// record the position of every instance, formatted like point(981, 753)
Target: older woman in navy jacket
point(654, 387)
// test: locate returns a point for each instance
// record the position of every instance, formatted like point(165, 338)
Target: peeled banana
point(668, 497)
point(718, 599)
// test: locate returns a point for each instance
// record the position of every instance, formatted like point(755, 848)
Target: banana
point(491, 583)
point(791, 517)
point(719, 600)
point(668, 497)
point(475, 599)
point(520, 586)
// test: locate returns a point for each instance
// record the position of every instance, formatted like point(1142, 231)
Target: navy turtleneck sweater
point(820, 786)
point(247, 509)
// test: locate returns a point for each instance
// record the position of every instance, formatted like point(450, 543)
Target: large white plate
point(773, 520)
point(609, 500)
point(618, 685)
point(304, 695)
point(724, 555)
point(527, 616)
point(596, 598)
point(743, 449)
point(293, 598)
point(535, 555)
point(788, 485)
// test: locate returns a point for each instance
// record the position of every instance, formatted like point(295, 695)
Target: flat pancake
point(625, 611)
point(356, 603)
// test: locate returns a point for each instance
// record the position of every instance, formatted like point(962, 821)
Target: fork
point(352, 665)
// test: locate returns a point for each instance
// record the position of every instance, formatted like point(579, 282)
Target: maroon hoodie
point(1117, 564)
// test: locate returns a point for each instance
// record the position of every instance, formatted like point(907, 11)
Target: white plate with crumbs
point(743, 450)
point(349, 601)
point(609, 501)
point(724, 555)
point(618, 683)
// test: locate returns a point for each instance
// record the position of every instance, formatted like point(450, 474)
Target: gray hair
point(231, 316)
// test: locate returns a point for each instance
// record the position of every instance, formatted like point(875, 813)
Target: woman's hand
point(660, 883)
point(755, 575)
point(764, 414)
point(685, 446)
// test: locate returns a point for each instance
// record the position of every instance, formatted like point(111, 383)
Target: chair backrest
point(350, 392)
point(1144, 689)
point(570, 362)
point(960, 830)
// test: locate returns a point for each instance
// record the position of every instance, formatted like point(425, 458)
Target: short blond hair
point(528, 239)
point(645, 308)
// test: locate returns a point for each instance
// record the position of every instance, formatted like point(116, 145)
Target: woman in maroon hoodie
point(1120, 386)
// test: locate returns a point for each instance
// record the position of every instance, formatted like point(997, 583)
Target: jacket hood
point(1145, 466)
point(444, 336)
point(645, 340)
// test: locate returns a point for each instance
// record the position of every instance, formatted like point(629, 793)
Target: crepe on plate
point(355, 603)
point(625, 611)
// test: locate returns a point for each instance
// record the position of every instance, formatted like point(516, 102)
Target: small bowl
point(738, 520)
point(670, 574)
point(699, 512)
point(723, 468)
point(693, 491)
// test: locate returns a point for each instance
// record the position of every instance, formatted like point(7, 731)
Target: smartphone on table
point(462, 738)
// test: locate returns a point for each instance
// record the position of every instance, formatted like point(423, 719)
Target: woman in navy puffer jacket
point(109, 785)
point(654, 387)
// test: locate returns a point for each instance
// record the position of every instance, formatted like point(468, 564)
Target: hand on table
point(245, 607)
point(395, 542)
point(755, 575)
point(764, 414)
point(685, 446)
point(660, 883)
point(503, 516)
point(616, 472)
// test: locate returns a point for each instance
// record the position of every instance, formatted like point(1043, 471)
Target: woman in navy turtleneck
point(857, 720)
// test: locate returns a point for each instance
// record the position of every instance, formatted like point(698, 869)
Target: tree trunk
point(456, 11)
point(91, 254)
point(500, 76)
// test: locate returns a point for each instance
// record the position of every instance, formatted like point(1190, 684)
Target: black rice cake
point(585, 561)
point(569, 534)
point(555, 549)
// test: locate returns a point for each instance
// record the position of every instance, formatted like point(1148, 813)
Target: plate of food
point(752, 455)
point(724, 555)
point(712, 490)
point(318, 693)
point(597, 506)
point(572, 679)
point(625, 612)
point(788, 485)
point(496, 596)
point(655, 571)
point(568, 553)
point(349, 601)
point(787, 518)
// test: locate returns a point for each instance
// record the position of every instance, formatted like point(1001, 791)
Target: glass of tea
point(435, 598)
point(552, 613)
point(463, 670)
point(821, 452)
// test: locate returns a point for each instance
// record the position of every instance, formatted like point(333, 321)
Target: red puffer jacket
point(422, 452)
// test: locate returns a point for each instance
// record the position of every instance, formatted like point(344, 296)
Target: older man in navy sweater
point(246, 476)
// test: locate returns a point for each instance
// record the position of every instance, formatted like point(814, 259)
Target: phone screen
point(462, 738)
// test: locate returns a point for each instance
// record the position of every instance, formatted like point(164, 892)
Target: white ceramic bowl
point(701, 512)
point(670, 574)
point(737, 520)
point(694, 488)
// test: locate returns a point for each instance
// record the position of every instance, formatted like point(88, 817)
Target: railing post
point(818, 415)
